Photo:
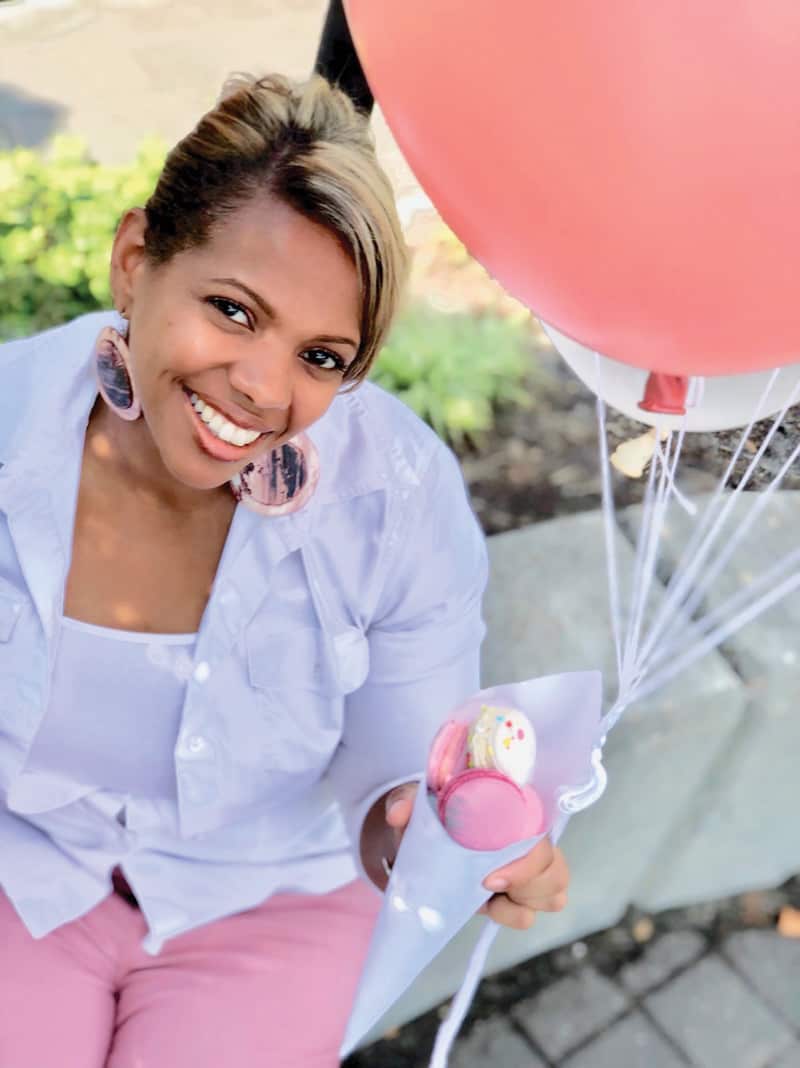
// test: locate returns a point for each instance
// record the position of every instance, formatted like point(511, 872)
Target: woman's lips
point(214, 446)
point(239, 419)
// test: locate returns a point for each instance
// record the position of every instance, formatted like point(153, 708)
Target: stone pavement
point(681, 1004)
point(114, 71)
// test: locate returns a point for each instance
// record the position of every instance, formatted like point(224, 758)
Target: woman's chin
point(202, 476)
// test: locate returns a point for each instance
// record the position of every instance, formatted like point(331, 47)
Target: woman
point(237, 595)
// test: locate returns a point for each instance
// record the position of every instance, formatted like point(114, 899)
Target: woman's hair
point(307, 145)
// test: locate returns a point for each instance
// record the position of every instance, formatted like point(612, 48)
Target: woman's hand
point(383, 831)
point(535, 883)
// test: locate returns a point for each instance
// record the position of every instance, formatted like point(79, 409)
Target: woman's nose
point(266, 383)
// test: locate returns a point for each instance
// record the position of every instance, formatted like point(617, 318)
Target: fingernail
point(496, 884)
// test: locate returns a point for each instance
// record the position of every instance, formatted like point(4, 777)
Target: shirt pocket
point(293, 658)
point(302, 658)
point(299, 698)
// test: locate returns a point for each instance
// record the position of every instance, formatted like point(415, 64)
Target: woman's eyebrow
point(263, 305)
point(332, 339)
point(270, 312)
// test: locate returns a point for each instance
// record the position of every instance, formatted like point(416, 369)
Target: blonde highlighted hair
point(307, 145)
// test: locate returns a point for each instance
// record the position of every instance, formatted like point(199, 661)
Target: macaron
point(448, 755)
point(486, 810)
point(503, 739)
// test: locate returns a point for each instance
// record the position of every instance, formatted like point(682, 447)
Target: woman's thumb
point(399, 803)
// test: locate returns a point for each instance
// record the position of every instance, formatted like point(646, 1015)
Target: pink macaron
point(448, 755)
point(484, 809)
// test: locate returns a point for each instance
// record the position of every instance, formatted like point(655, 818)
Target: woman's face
point(254, 331)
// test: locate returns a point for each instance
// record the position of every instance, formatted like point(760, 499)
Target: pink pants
point(267, 988)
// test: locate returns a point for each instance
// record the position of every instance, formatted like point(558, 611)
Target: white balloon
point(723, 402)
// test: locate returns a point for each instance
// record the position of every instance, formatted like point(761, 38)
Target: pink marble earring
point(112, 370)
point(282, 481)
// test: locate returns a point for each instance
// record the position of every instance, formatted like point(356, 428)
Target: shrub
point(453, 369)
point(58, 215)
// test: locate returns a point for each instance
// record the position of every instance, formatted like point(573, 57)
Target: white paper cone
point(435, 886)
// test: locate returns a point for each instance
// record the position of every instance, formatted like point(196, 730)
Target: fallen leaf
point(789, 922)
point(632, 457)
point(644, 929)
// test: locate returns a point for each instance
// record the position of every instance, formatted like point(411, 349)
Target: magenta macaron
point(484, 809)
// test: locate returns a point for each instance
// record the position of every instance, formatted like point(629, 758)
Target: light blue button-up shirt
point(334, 643)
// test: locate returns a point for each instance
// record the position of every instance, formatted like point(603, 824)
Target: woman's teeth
point(221, 427)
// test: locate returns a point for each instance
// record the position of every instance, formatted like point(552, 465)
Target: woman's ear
point(127, 257)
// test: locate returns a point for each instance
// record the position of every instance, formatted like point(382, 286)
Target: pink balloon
point(631, 170)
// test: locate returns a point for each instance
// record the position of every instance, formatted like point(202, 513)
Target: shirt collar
point(53, 391)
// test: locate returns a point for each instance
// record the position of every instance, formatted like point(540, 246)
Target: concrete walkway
point(680, 1005)
point(114, 71)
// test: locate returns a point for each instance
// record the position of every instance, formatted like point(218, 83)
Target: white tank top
point(115, 709)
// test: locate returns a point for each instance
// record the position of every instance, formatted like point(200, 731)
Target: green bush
point(58, 215)
point(453, 369)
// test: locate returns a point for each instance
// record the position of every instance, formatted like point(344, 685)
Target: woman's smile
point(218, 436)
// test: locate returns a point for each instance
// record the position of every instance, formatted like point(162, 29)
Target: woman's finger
point(526, 868)
point(543, 893)
point(508, 914)
point(400, 803)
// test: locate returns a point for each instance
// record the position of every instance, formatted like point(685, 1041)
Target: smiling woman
point(261, 323)
point(190, 844)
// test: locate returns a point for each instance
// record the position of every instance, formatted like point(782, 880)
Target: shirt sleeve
point(424, 646)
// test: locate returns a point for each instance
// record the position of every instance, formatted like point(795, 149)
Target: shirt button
point(197, 744)
point(202, 672)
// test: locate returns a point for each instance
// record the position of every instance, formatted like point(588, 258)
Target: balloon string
point(730, 607)
point(646, 549)
point(706, 532)
point(684, 572)
point(692, 594)
point(712, 571)
point(718, 635)
point(650, 535)
point(688, 506)
point(735, 612)
point(459, 1007)
point(610, 529)
point(638, 570)
point(661, 489)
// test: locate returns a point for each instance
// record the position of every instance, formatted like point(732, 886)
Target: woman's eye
point(230, 309)
point(325, 360)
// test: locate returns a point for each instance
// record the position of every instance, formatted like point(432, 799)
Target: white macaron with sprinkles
point(503, 739)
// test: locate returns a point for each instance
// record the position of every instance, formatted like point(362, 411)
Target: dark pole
point(337, 59)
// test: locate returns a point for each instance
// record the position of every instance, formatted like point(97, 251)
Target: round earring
point(112, 370)
point(280, 482)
